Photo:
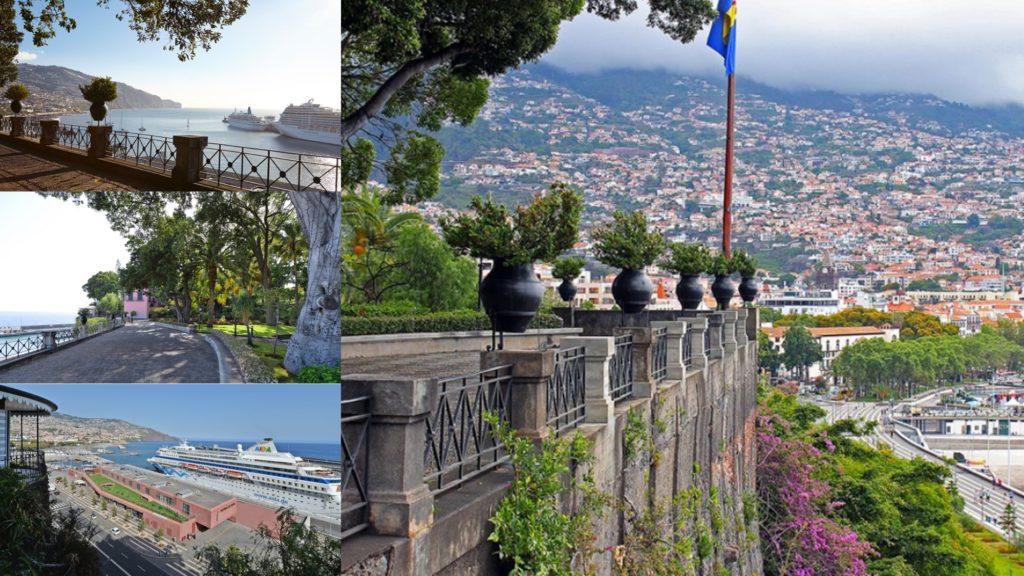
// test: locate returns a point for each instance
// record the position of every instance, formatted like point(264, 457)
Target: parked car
point(115, 530)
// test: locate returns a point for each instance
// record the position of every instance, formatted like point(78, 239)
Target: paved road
point(21, 170)
point(140, 352)
point(130, 552)
point(982, 499)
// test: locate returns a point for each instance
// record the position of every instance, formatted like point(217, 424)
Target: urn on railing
point(629, 244)
point(568, 269)
point(511, 293)
point(723, 287)
point(688, 260)
point(746, 265)
point(99, 92)
point(16, 93)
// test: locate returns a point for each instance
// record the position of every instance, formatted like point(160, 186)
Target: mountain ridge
point(55, 88)
point(69, 429)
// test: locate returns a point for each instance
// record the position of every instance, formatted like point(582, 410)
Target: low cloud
point(26, 56)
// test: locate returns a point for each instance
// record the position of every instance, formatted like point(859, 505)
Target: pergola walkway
point(22, 170)
point(140, 352)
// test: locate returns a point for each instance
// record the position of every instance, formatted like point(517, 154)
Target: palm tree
point(369, 230)
point(293, 248)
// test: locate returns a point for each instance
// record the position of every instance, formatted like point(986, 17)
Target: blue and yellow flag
point(723, 34)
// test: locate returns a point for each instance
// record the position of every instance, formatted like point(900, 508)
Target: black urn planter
point(748, 289)
point(632, 290)
point(689, 291)
point(511, 296)
point(567, 290)
point(98, 111)
point(15, 106)
point(723, 289)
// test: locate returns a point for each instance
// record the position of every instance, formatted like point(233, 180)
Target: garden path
point(141, 352)
point(22, 170)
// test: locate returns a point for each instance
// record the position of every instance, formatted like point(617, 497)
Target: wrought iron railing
point(32, 128)
point(688, 347)
point(355, 423)
point(142, 149)
point(73, 136)
point(621, 368)
point(460, 444)
point(270, 169)
point(567, 389)
point(11, 347)
point(659, 354)
point(28, 461)
point(5, 124)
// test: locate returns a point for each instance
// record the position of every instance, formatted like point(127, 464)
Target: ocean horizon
point(145, 450)
point(18, 318)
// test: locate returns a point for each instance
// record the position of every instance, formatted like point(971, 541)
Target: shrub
point(397, 308)
point(743, 263)
point(687, 259)
point(628, 243)
point(719, 265)
point(319, 373)
point(252, 367)
point(539, 231)
point(99, 90)
point(462, 321)
point(568, 268)
point(16, 92)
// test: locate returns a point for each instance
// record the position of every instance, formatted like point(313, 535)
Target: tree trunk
point(317, 338)
point(211, 277)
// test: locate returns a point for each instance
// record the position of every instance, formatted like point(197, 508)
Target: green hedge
point(397, 308)
point(434, 322)
point(319, 373)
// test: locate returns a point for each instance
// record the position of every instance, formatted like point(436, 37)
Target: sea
point(145, 450)
point(9, 347)
point(203, 122)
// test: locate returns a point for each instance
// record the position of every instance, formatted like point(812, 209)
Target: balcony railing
point(688, 347)
point(73, 136)
point(355, 423)
point(460, 445)
point(29, 463)
point(269, 169)
point(567, 389)
point(659, 354)
point(143, 149)
point(11, 347)
point(621, 368)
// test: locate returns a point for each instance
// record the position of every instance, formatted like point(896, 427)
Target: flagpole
point(727, 201)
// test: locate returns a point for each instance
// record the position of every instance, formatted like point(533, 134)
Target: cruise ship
point(260, 473)
point(311, 122)
point(248, 121)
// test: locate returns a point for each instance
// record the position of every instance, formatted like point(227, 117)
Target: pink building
point(138, 301)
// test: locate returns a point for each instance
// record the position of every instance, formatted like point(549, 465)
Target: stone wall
point(691, 432)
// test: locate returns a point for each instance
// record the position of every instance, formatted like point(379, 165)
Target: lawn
point(135, 498)
point(258, 330)
point(1005, 560)
point(274, 362)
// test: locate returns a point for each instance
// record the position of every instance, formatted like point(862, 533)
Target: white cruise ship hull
point(309, 135)
point(246, 125)
point(252, 490)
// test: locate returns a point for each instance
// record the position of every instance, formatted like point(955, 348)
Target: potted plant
point(629, 245)
point(16, 93)
point(511, 293)
point(746, 265)
point(99, 92)
point(567, 269)
point(723, 287)
point(689, 261)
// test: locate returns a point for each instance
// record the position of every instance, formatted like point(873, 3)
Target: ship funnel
point(239, 448)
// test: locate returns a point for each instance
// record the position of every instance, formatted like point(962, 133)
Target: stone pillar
point(188, 158)
point(729, 331)
point(50, 340)
point(753, 323)
point(643, 348)
point(698, 326)
point(400, 503)
point(48, 131)
point(99, 137)
point(716, 321)
point(600, 408)
point(17, 125)
point(528, 398)
point(675, 332)
point(741, 327)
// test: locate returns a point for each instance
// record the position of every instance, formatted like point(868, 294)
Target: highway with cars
point(123, 549)
point(984, 499)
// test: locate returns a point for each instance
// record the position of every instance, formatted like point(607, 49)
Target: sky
point(286, 413)
point(960, 50)
point(52, 248)
point(280, 52)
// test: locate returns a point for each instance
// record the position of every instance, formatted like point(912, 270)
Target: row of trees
point(901, 367)
point(914, 324)
point(242, 252)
